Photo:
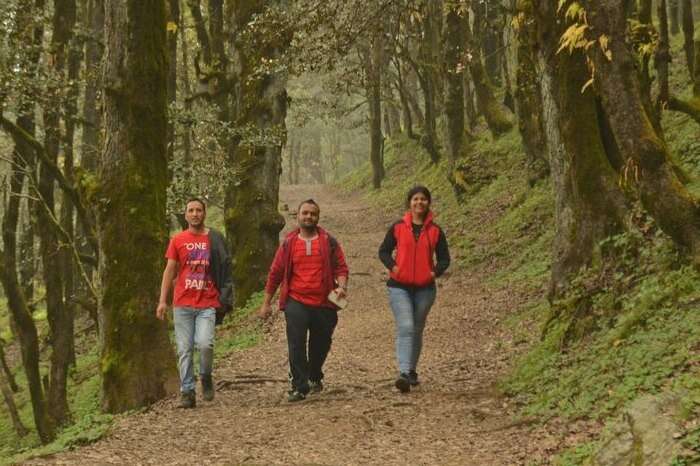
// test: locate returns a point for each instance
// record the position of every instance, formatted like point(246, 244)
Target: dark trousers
point(316, 324)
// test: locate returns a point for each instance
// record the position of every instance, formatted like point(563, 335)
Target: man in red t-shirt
point(308, 265)
point(191, 258)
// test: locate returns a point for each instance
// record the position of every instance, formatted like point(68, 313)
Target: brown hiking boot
point(188, 400)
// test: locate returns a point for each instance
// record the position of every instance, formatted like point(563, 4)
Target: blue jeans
point(194, 327)
point(410, 308)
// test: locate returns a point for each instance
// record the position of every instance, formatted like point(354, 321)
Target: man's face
point(195, 214)
point(308, 215)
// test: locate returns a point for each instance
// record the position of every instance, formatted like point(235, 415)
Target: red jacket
point(415, 258)
point(334, 266)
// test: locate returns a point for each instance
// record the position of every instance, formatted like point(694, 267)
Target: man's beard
point(308, 228)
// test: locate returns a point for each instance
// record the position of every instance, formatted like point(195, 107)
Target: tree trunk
point(455, 23)
point(411, 81)
point(589, 206)
point(22, 160)
point(11, 407)
point(676, 211)
point(93, 56)
point(405, 106)
point(172, 28)
point(137, 360)
point(185, 79)
point(494, 112)
point(372, 65)
point(252, 219)
point(674, 13)
point(58, 316)
point(528, 100)
point(662, 57)
point(469, 106)
point(9, 376)
point(689, 36)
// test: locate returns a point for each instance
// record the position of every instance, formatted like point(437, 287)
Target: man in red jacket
point(308, 265)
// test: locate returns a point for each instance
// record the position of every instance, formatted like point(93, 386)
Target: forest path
point(455, 417)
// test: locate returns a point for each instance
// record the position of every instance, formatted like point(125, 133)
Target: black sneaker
point(402, 383)
point(315, 386)
point(207, 387)
point(295, 395)
point(188, 400)
point(413, 378)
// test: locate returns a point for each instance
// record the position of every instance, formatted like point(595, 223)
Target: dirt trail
point(454, 417)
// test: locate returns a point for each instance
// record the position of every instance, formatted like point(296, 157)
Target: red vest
point(415, 258)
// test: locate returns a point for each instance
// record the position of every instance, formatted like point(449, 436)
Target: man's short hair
point(196, 199)
point(308, 201)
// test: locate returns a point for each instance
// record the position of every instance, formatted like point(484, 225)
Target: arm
point(387, 248)
point(341, 271)
point(165, 286)
point(443, 254)
point(274, 278)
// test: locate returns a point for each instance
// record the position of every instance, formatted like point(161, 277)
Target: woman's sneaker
point(402, 383)
point(413, 378)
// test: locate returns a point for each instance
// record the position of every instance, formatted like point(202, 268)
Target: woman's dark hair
point(415, 190)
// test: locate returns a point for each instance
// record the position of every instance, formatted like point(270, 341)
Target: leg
point(423, 300)
point(184, 338)
point(204, 339)
point(297, 317)
point(323, 322)
point(402, 307)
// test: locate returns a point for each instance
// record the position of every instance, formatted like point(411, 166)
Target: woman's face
point(419, 204)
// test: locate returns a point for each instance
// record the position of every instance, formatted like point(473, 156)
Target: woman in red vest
point(416, 240)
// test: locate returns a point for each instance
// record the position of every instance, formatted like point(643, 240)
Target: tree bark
point(455, 23)
point(11, 407)
point(589, 206)
point(92, 118)
point(252, 219)
point(662, 57)
point(58, 315)
point(644, 151)
point(173, 29)
point(674, 13)
point(528, 99)
point(9, 376)
point(493, 111)
point(22, 159)
point(405, 106)
point(137, 360)
point(689, 36)
point(373, 66)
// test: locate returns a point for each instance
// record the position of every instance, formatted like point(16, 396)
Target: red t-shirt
point(306, 283)
point(194, 286)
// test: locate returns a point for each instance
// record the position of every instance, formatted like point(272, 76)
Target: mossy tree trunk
point(22, 159)
point(405, 106)
point(17, 424)
point(674, 14)
point(643, 149)
point(9, 376)
point(253, 221)
point(455, 23)
point(137, 361)
point(426, 69)
point(494, 112)
point(59, 315)
point(589, 205)
point(688, 23)
point(528, 97)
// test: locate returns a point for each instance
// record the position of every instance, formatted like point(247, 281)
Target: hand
point(432, 274)
point(161, 310)
point(341, 292)
point(265, 311)
point(395, 269)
